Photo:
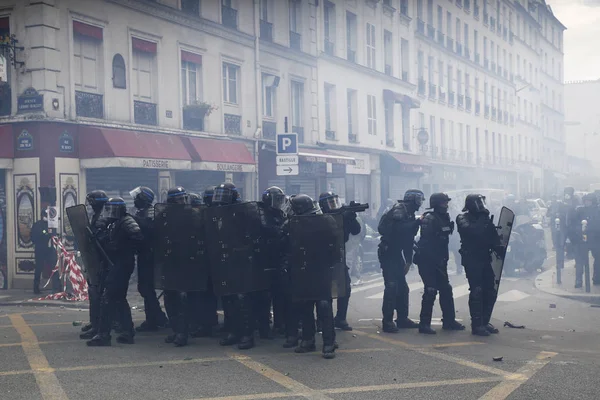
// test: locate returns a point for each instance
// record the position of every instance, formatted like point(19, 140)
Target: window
point(269, 91)
point(191, 7)
point(476, 42)
point(450, 78)
point(440, 19)
point(119, 72)
point(459, 85)
point(441, 74)
point(372, 114)
point(388, 111)
point(87, 54)
point(430, 12)
point(144, 70)
point(191, 77)
point(295, 16)
point(449, 24)
point(371, 53)
point(329, 106)
point(351, 35)
point(264, 10)
point(388, 52)
point(430, 71)
point(352, 128)
point(420, 10)
point(297, 104)
point(420, 66)
point(329, 25)
point(230, 83)
point(466, 36)
point(476, 89)
point(458, 26)
point(405, 58)
point(432, 135)
point(467, 85)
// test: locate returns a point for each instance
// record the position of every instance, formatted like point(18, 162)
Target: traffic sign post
point(287, 143)
point(287, 154)
point(287, 170)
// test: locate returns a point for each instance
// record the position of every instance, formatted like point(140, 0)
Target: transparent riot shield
point(505, 225)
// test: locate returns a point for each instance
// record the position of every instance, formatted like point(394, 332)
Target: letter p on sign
point(287, 143)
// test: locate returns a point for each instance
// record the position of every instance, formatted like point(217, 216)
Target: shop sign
point(65, 143)
point(24, 141)
point(30, 101)
point(223, 167)
point(413, 168)
point(230, 167)
point(362, 164)
point(155, 164)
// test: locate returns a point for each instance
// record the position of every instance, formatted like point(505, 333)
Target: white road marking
point(411, 287)
point(512, 295)
point(460, 291)
point(379, 283)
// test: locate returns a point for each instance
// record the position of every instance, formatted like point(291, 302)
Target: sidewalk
point(20, 297)
point(546, 282)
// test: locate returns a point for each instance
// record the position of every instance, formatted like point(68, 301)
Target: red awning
point(143, 45)
point(7, 147)
point(411, 162)
point(92, 31)
point(219, 155)
point(103, 148)
point(324, 156)
point(191, 57)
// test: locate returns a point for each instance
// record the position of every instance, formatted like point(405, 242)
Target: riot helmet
point(568, 194)
point(177, 195)
point(195, 199)
point(414, 198)
point(439, 202)
point(303, 204)
point(590, 200)
point(274, 197)
point(207, 196)
point(329, 201)
point(96, 200)
point(475, 203)
point(143, 197)
point(115, 208)
point(225, 193)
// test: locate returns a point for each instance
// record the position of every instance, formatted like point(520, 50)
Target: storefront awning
point(323, 156)
point(411, 162)
point(104, 148)
point(219, 155)
point(7, 147)
point(404, 99)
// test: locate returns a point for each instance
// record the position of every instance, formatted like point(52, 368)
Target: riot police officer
point(237, 308)
point(590, 213)
point(208, 195)
point(143, 197)
point(330, 203)
point(304, 205)
point(95, 200)
point(433, 254)
point(122, 240)
point(398, 228)
point(479, 238)
point(195, 199)
point(573, 230)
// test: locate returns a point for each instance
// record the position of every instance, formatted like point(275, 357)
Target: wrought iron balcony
point(266, 30)
point(144, 113)
point(89, 105)
point(449, 43)
point(233, 124)
point(329, 47)
point(422, 86)
point(330, 135)
point(451, 99)
point(432, 90)
point(299, 130)
point(352, 138)
point(351, 55)
point(269, 129)
point(192, 120)
point(295, 40)
point(229, 17)
point(421, 26)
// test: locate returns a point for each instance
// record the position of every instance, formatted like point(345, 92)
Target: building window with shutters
point(191, 78)
point(298, 110)
point(143, 81)
point(372, 114)
point(87, 70)
point(230, 83)
point(371, 49)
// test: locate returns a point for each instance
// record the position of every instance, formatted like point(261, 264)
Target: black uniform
point(398, 228)
point(432, 259)
point(591, 214)
point(121, 242)
point(478, 238)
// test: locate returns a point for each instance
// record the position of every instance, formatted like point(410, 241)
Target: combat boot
point(100, 340)
point(231, 339)
point(291, 341)
point(126, 337)
point(453, 326)
point(87, 327)
point(146, 327)
point(406, 323)
point(426, 329)
point(180, 340)
point(491, 328)
point(479, 331)
point(389, 327)
point(306, 346)
point(343, 325)
point(246, 342)
point(328, 352)
point(87, 335)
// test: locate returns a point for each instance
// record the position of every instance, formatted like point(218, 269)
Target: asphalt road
point(554, 357)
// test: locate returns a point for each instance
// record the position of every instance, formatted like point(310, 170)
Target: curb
point(545, 283)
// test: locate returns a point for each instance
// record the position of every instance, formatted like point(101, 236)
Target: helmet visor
point(114, 211)
point(334, 203)
point(277, 200)
point(223, 196)
point(479, 204)
point(135, 192)
point(419, 199)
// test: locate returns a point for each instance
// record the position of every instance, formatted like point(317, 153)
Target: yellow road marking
point(455, 344)
point(505, 388)
point(294, 386)
point(47, 381)
point(145, 364)
point(23, 372)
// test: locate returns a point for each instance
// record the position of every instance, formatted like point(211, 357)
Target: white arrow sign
point(287, 160)
point(283, 170)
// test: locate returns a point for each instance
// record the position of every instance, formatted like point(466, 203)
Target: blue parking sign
point(287, 143)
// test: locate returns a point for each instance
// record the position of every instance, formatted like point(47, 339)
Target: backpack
point(385, 223)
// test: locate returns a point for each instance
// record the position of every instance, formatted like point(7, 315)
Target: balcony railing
point(477, 107)
point(352, 138)
point(330, 135)
point(295, 40)
point(193, 120)
point(388, 70)
point(266, 30)
point(440, 37)
point(451, 99)
point(421, 27)
point(329, 47)
point(431, 32)
point(422, 87)
point(269, 129)
point(299, 130)
point(461, 101)
point(432, 90)
point(468, 103)
point(351, 55)
point(449, 43)
point(89, 105)
point(233, 124)
point(5, 99)
point(144, 113)
point(229, 17)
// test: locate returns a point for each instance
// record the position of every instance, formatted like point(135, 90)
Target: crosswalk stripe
point(512, 295)
point(367, 287)
point(460, 291)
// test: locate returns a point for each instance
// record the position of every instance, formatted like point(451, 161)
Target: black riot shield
point(180, 259)
point(317, 261)
point(233, 236)
point(86, 244)
point(505, 225)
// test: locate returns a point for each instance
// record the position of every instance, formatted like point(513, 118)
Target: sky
point(582, 19)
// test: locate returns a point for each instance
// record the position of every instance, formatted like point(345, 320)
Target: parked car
point(538, 210)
